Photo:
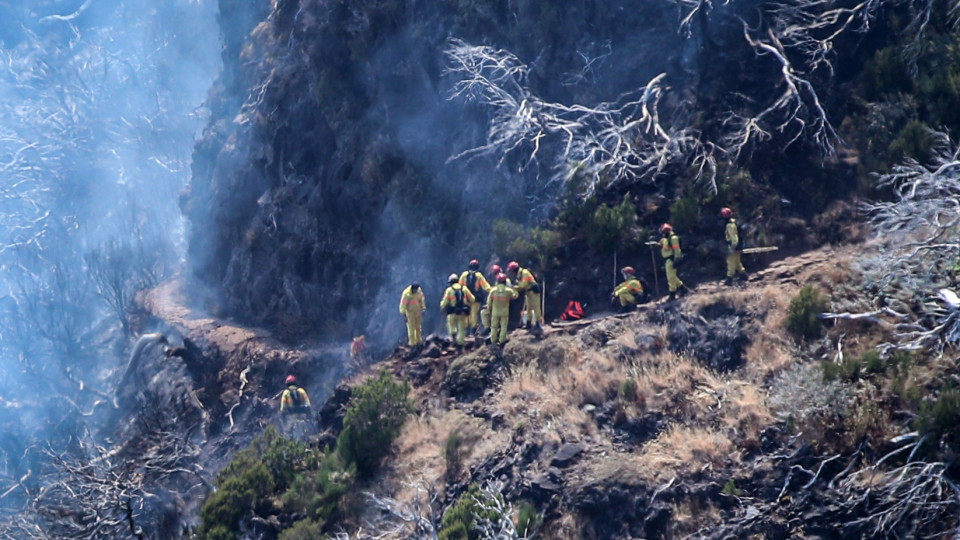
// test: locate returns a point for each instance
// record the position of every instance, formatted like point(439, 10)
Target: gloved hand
point(676, 261)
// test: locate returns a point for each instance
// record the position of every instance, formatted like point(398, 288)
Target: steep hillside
point(703, 418)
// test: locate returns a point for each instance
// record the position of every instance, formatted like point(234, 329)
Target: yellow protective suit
point(732, 235)
point(627, 292)
point(480, 284)
point(670, 251)
point(457, 316)
point(498, 303)
point(412, 306)
point(531, 300)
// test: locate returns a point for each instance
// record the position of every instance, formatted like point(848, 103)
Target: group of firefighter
point(473, 306)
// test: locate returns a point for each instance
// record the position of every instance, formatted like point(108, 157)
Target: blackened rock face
point(718, 343)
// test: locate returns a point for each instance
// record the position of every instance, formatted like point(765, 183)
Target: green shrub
point(452, 453)
point(529, 246)
point(685, 214)
point(527, 519)
point(246, 483)
point(803, 314)
point(235, 497)
point(611, 225)
point(318, 492)
point(305, 529)
point(374, 417)
point(938, 420)
point(628, 390)
point(460, 519)
point(730, 488)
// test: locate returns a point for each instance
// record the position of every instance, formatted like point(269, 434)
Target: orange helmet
point(501, 278)
point(290, 379)
point(666, 228)
point(513, 266)
point(726, 212)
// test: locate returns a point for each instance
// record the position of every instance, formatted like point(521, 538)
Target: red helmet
point(628, 270)
point(513, 266)
point(666, 228)
point(726, 212)
point(290, 379)
point(474, 264)
point(495, 269)
point(501, 277)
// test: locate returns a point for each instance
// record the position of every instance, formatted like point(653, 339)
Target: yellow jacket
point(525, 280)
point(450, 298)
point(732, 234)
point(631, 286)
point(481, 282)
point(670, 247)
point(499, 299)
point(411, 302)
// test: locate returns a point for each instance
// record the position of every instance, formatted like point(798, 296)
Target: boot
point(728, 282)
point(459, 349)
point(672, 297)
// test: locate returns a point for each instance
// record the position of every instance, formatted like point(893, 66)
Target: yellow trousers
point(414, 327)
point(474, 314)
point(734, 266)
point(531, 308)
point(498, 327)
point(457, 325)
point(485, 316)
point(626, 299)
point(673, 281)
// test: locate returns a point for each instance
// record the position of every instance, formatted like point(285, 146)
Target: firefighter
point(527, 285)
point(499, 305)
point(456, 304)
point(672, 255)
point(731, 234)
point(412, 306)
point(472, 278)
point(294, 399)
point(495, 271)
point(630, 292)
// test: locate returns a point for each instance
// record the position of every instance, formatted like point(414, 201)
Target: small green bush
point(305, 529)
point(374, 417)
point(452, 450)
point(317, 493)
point(611, 225)
point(529, 246)
point(628, 390)
point(244, 486)
point(685, 214)
point(459, 521)
point(527, 519)
point(803, 314)
point(938, 420)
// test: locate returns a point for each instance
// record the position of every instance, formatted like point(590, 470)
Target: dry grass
point(419, 448)
point(685, 450)
point(746, 411)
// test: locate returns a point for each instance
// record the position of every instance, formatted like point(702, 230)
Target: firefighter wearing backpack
point(630, 292)
point(731, 234)
point(499, 305)
point(412, 306)
point(294, 399)
point(456, 304)
point(527, 285)
point(672, 255)
point(472, 278)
